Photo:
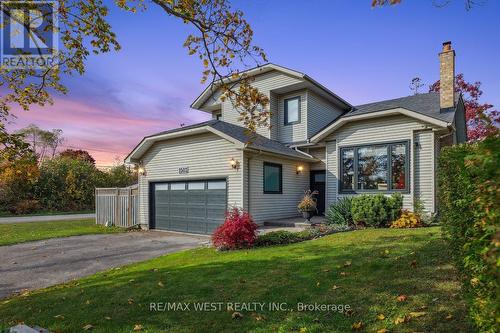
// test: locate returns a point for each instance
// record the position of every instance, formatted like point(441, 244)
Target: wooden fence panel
point(117, 206)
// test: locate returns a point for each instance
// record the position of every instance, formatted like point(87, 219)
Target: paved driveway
point(48, 262)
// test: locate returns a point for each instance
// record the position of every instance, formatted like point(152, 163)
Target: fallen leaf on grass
point(87, 302)
point(343, 273)
point(87, 327)
point(357, 326)
point(401, 320)
point(383, 330)
point(138, 327)
point(347, 263)
point(413, 264)
point(107, 318)
point(349, 312)
point(236, 315)
point(326, 270)
point(131, 280)
point(380, 316)
point(59, 316)
point(130, 301)
point(317, 284)
point(417, 314)
point(303, 330)
point(335, 287)
point(402, 298)
point(449, 317)
point(160, 284)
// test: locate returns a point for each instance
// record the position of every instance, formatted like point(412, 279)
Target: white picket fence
point(117, 206)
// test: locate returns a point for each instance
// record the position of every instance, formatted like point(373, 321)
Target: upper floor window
point(292, 110)
point(273, 178)
point(381, 167)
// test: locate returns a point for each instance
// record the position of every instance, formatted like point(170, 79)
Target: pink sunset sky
point(360, 53)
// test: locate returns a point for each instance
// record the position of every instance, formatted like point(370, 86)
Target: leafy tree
point(223, 41)
point(67, 184)
point(482, 120)
point(121, 176)
point(43, 143)
point(79, 154)
point(12, 146)
point(17, 180)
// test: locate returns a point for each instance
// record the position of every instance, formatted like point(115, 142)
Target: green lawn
point(30, 231)
point(380, 269)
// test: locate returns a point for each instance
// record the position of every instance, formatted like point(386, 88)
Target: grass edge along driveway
point(370, 270)
point(16, 233)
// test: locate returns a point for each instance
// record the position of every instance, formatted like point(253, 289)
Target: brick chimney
point(447, 76)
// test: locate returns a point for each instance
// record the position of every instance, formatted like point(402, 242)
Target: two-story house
point(191, 175)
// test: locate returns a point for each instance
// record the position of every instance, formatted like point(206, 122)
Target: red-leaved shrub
point(238, 231)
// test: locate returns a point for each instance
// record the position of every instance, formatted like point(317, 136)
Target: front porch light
point(300, 168)
point(141, 170)
point(234, 163)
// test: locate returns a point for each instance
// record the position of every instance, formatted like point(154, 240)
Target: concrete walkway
point(41, 264)
point(44, 218)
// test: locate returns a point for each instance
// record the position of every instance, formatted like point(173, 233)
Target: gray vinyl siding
point(265, 83)
point(207, 157)
point(320, 113)
point(264, 207)
point(293, 132)
point(319, 153)
point(424, 168)
point(387, 129)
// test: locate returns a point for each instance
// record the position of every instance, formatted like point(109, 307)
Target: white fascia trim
point(306, 157)
point(147, 142)
point(212, 88)
point(398, 111)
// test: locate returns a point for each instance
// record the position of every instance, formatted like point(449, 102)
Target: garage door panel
point(197, 206)
point(197, 197)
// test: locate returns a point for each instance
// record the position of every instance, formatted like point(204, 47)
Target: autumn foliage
point(238, 231)
point(481, 118)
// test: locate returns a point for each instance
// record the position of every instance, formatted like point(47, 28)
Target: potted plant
point(308, 205)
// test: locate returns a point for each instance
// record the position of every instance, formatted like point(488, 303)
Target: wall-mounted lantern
point(140, 169)
point(300, 168)
point(234, 164)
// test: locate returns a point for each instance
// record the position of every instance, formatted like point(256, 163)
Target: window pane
point(216, 185)
point(196, 185)
point(372, 168)
point(398, 160)
point(272, 178)
point(161, 187)
point(319, 177)
point(292, 110)
point(348, 169)
point(177, 186)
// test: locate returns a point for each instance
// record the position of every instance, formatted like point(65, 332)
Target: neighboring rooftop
point(426, 104)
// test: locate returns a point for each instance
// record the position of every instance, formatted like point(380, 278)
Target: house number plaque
point(183, 171)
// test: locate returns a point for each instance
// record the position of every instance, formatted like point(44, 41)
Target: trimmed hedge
point(469, 196)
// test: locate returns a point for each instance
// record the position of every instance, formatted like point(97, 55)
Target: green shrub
point(469, 196)
point(339, 213)
point(376, 210)
point(279, 237)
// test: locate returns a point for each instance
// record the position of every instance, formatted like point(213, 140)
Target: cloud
point(101, 126)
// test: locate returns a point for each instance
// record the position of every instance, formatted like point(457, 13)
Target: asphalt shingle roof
point(426, 104)
point(255, 141)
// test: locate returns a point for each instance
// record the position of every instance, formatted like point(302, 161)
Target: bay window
point(374, 168)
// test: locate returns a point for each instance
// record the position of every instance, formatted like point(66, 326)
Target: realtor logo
point(29, 34)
